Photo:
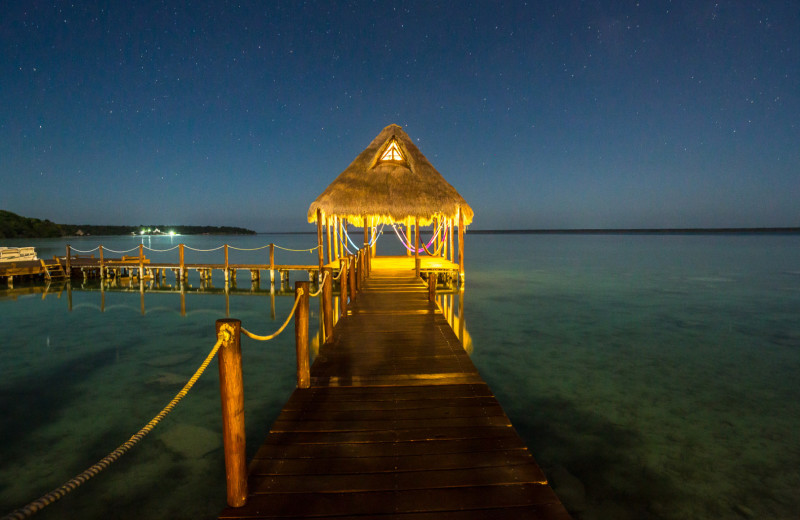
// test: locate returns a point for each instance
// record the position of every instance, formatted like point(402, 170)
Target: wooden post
point(432, 286)
point(330, 244)
point(359, 271)
point(272, 267)
point(327, 303)
point(227, 274)
point(182, 263)
point(301, 334)
point(102, 269)
point(461, 245)
point(141, 261)
point(319, 240)
point(336, 255)
point(450, 239)
point(351, 276)
point(69, 262)
point(416, 246)
point(232, 395)
point(343, 284)
point(366, 247)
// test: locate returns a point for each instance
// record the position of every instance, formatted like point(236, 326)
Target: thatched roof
point(393, 190)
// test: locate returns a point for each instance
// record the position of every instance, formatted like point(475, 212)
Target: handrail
point(322, 283)
point(232, 388)
point(60, 492)
point(285, 323)
point(228, 345)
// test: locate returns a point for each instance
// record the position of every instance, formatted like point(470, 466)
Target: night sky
point(564, 114)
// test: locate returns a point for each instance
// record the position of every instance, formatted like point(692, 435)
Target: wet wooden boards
point(397, 424)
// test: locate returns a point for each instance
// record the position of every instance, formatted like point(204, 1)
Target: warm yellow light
point(392, 153)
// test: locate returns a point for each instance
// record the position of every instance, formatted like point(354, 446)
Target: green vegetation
point(16, 226)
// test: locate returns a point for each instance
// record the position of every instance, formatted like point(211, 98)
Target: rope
point(72, 484)
point(338, 275)
point(89, 251)
point(285, 323)
point(441, 244)
point(319, 291)
point(351, 241)
point(122, 252)
point(252, 249)
point(298, 250)
point(162, 250)
point(404, 240)
point(204, 250)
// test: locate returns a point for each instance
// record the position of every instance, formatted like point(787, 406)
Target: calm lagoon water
point(652, 376)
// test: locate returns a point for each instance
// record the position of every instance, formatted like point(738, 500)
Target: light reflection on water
point(658, 370)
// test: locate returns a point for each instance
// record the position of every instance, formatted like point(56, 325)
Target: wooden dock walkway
point(397, 424)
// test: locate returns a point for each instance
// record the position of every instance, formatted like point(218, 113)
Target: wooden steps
point(53, 270)
point(397, 424)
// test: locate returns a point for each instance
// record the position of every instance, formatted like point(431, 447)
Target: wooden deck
point(397, 424)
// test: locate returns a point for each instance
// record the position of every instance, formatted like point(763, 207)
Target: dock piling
point(301, 334)
point(327, 303)
point(232, 394)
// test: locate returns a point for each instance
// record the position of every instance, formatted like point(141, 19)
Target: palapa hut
point(392, 183)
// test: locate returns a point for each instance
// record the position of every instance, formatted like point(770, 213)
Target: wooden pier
point(397, 423)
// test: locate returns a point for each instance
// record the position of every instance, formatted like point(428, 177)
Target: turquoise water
point(652, 376)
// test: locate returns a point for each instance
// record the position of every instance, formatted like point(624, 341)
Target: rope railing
point(249, 249)
point(45, 500)
point(162, 250)
point(121, 252)
point(298, 250)
point(285, 323)
point(86, 252)
point(321, 285)
point(227, 345)
point(204, 250)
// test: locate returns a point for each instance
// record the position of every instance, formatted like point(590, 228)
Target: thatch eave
point(390, 192)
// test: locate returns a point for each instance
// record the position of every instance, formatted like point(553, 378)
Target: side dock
point(397, 423)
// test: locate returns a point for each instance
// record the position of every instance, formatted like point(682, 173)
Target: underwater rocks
point(190, 441)
point(569, 488)
point(169, 360)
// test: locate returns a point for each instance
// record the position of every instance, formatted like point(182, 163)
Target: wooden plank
point(394, 481)
point(374, 449)
point(397, 423)
point(343, 465)
point(391, 502)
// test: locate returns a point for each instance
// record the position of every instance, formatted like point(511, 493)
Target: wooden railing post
point(141, 262)
point(272, 266)
point(351, 276)
point(182, 263)
point(227, 275)
point(461, 245)
point(102, 269)
point(416, 246)
point(343, 281)
point(432, 286)
point(301, 334)
point(319, 241)
point(232, 394)
point(327, 303)
point(69, 262)
point(366, 248)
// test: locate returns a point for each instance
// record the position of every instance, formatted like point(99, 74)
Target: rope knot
point(226, 333)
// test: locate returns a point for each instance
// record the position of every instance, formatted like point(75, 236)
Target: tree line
point(16, 226)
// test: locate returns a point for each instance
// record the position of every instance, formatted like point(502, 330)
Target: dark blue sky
point(547, 115)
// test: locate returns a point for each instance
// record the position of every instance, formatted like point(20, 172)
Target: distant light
point(172, 233)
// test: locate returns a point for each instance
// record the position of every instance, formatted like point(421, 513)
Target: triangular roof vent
point(392, 153)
